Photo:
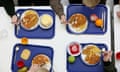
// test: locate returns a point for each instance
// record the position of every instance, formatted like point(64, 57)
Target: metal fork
point(18, 26)
point(16, 50)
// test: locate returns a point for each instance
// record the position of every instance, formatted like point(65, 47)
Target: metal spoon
point(18, 26)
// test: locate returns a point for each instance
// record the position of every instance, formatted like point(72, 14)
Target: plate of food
point(78, 23)
point(29, 58)
point(91, 55)
point(46, 21)
point(29, 19)
point(84, 20)
point(42, 60)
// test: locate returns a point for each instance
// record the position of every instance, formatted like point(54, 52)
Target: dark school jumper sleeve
point(9, 7)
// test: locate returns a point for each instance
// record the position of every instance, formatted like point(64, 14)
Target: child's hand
point(107, 56)
point(33, 68)
point(118, 14)
point(14, 19)
point(63, 19)
point(37, 68)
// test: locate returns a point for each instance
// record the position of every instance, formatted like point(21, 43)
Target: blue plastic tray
point(38, 32)
point(91, 29)
point(34, 51)
point(80, 66)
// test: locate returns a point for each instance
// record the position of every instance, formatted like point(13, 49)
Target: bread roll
point(25, 54)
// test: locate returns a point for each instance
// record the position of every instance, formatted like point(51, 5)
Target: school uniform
point(116, 1)
point(80, 1)
point(9, 6)
point(58, 8)
point(33, 2)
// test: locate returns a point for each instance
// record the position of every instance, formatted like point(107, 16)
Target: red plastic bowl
point(20, 64)
point(118, 55)
point(74, 49)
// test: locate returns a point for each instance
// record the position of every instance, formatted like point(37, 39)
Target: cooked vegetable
point(24, 69)
point(93, 17)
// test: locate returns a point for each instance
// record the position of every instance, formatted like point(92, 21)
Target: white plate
point(83, 56)
point(78, 31)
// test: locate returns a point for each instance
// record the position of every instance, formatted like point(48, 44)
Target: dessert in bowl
point(46, 21)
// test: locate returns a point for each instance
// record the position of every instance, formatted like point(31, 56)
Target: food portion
point(46, 21)
point(41, 59)
point(92, 58)
point(74, 49)
point(29, 19)
point(93, 17)
point(71, 59)
point(25, 54)
point(78, 22)
point(92, 54)
point(24, 69)
point(40, 63)
point(96, 20)
point(24, 40)
point(99, 23)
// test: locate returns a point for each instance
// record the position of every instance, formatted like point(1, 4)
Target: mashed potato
point(46, 20)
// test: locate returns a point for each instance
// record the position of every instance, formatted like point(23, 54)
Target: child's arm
point(109, 67)
point(116, 2)
point(57, 7)
point(103, 2)
point(9, 7)
point(119, 1)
